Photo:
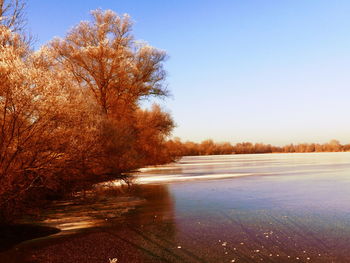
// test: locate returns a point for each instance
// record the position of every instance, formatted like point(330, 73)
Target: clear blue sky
point(239, 70)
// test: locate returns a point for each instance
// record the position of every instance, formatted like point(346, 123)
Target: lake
point(230, 208)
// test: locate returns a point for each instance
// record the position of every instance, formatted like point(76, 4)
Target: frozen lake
point(233, 208)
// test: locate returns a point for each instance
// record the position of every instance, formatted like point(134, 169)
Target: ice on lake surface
point(236, 208)
point(268, 207)
point(230, 166)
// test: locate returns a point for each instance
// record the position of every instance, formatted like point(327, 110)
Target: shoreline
point(292, 214)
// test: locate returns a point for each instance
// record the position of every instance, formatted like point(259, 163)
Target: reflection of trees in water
point(146, 234)
point(158, 208)
point(150, 229)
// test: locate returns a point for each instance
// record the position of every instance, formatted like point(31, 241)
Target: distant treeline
point(209, 147)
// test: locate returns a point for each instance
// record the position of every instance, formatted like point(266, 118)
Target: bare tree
point(104, 58)
point(12, 14)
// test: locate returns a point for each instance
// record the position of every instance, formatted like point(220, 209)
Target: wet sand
point(293, 208)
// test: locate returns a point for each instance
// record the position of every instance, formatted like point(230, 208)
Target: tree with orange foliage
point(101, 56)
point(70, 113)
point(41, 130)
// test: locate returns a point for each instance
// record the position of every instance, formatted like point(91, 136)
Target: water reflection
point(298, 211)
point(139, 226)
